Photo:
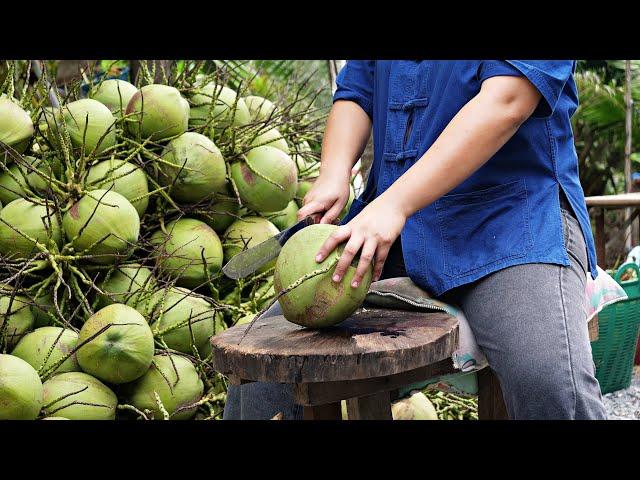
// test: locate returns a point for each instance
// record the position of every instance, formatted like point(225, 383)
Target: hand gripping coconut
point(312, 298)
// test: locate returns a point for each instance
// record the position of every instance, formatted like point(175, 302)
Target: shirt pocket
point(483, 228)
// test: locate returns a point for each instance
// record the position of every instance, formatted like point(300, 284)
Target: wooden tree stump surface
point(371, 343)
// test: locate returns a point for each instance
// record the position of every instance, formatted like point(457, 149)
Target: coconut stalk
point(69, 275)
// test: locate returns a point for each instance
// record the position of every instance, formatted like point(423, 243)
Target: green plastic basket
point(618, 327)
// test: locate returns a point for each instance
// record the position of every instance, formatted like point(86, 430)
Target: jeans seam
point(566, 332)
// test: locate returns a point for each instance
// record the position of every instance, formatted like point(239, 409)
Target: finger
point(380, 256)
point(333, 212)
point(351, 249)
point(366, 257)
point(335, 239)
point(310, 209)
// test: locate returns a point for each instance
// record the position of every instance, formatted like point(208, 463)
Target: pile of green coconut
point(119, 208)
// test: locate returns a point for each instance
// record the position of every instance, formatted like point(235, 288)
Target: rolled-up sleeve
point(548, 76)
point(355, 83)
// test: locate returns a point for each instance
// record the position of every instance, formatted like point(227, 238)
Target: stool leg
point(370, 407)
point(329, 411)
point(490, 401)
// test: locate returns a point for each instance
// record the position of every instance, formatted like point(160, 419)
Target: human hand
point(371, 232)
point(326, 199)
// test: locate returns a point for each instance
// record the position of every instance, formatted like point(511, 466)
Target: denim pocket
point(484, 227)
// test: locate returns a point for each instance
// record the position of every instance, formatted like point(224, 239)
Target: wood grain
point(371, 343)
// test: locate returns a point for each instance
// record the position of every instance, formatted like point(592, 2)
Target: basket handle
point(623, 268)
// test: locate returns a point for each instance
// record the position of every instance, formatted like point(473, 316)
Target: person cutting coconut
point(474, 194)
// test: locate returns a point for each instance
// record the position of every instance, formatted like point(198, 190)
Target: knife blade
point(248, 261)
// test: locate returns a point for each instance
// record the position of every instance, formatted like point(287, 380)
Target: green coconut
point(245, 319)
point(273, 138)
point(346, 208)
point(245, 233)
point(303, 188)
point(175, 381)
point(129, 284)
point(221, 213)
point(121, 353)
point(284, 218)
point(267, 181)
point(220, 104)
point(319, 301)
point(21, 396)
point(54, 342)
point(121, 177)
point(172, 311)
point(115, 94)
point(103, 224)
point(19, 318)
point(157, 111)
point(183, 253)
point(16, 127)
point(307, 165)
point(17, 179)
point(196, 168)
point(91, 124)
point(260, 109)
point(79, 396)
point(21, 222)
point(415, 407)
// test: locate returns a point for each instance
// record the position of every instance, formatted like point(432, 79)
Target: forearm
point(472, 137)
point(345, 138)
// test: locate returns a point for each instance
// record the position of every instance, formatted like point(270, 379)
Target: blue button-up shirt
point(508, 212)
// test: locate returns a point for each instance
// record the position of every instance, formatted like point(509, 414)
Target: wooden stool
point(363, 360)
